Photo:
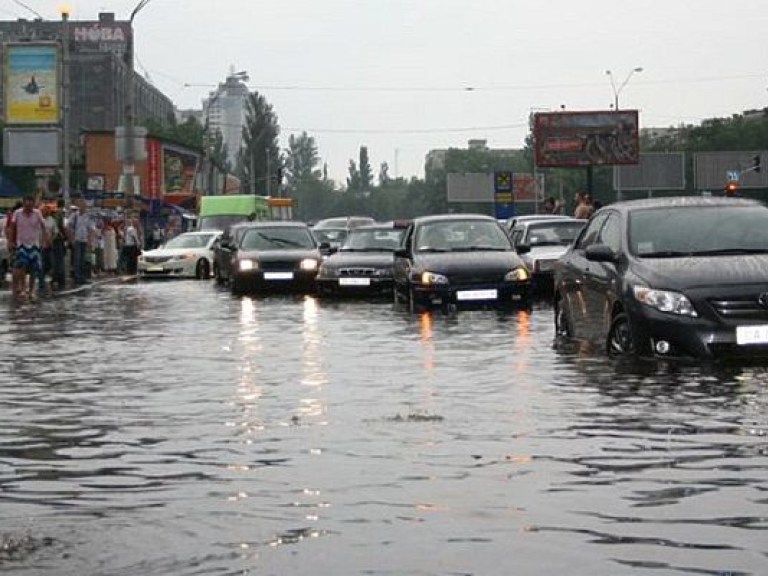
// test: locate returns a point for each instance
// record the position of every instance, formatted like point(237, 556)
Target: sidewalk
point(71, 288)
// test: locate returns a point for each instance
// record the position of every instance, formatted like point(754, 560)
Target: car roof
point(681, 201)
point(554, 221)
point(453, 218)
point(275, 224)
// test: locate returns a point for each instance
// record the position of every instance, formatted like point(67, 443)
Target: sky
point(404, 77)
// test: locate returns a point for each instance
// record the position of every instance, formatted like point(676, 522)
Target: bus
point(221, 212)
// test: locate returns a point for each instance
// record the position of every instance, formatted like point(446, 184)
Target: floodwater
point(169, 428)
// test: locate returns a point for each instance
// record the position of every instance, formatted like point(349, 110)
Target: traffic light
point(732, 189)
point(756, 163)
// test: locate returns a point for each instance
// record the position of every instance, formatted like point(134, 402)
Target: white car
point(188, 255)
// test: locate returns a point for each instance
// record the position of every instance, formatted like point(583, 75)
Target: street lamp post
point(65, 112)
point(616, 92)
point(129, 154)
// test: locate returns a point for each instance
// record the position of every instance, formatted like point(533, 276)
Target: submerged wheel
point(203, 270)
point(414, 306)
point(620, 340)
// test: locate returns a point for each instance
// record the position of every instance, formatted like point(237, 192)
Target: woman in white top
point(110, 249)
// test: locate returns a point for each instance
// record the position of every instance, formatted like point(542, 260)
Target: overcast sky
point(403, 77)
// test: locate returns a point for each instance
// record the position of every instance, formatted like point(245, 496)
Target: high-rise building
point(224, 111)
point(97, 71)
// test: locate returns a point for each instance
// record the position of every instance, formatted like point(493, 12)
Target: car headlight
point(665, 301)
point(185, 257)
point(431, 278)
point(246, 265)
point(519, 274)
point(308, 264)
point(380, 272)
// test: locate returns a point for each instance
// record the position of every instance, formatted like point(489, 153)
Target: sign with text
point(31, 83)
point(595, 138)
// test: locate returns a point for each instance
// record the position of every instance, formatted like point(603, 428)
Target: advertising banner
point(31, 83)
point(179, 169)
point(575, 139)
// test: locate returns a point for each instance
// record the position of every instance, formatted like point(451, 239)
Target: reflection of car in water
point(461, 260)
point(5, 265)
point(669, 277)
point(363, 264)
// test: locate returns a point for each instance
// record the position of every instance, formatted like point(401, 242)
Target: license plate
point(463, 295)
point(354, 281)
point(751, 335)
point(278, 275)
point(155, 269)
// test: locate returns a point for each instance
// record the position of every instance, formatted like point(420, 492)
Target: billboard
point(32, 147)
point(595, 138)
point(179, 169)
point(31, 83)
point(655, 171)
point(500, 187)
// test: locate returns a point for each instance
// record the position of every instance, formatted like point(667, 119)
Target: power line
point(23, 5)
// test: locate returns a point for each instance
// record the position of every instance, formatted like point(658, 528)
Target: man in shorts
point(29, 236)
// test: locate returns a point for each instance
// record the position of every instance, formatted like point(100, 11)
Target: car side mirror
point(326, 249)
point(523, 248)
point(600, 253)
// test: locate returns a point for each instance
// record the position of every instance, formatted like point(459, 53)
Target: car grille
point(475, 279)
point(280, 266)
point(157, 259)
point(357, 272)
point(742, 308)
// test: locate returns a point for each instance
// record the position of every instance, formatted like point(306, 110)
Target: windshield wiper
point(279, 241)
point(665, 254)
point(480, 249)
point(429, 249)
point(730, 251)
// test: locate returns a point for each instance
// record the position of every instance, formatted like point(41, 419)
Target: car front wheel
point(620, 339)
point(203, 270)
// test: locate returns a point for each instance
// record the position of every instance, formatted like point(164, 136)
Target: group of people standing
point(39, 240)
point(584, 206)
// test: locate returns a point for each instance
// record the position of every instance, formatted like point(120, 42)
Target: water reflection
point(174, 429)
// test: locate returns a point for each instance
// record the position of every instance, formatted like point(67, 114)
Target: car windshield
point(330, 235)
point(553, 233)
point(277, 238)
point(373, 240)
point(461, 235)
point(698, 230)
point(189, 241)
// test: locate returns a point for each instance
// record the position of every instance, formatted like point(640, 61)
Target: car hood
point(170, 252)
point(702, 272)
point(368, 259)
point(279, 255)
point(477, 261)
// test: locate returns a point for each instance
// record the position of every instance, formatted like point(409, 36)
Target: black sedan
point(275, 256)
point(683, 277)
point(363, 264)
point(459, 260)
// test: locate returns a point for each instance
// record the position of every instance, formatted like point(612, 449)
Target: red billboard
point(594, 138)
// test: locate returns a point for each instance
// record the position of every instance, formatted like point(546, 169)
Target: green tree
point(301, 160)
point(366, 173)
point(259, 158)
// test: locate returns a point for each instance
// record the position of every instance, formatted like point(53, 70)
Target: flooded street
point(170, 428)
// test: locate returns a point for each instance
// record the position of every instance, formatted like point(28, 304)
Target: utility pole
point(65, 111)
point(129, 155)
